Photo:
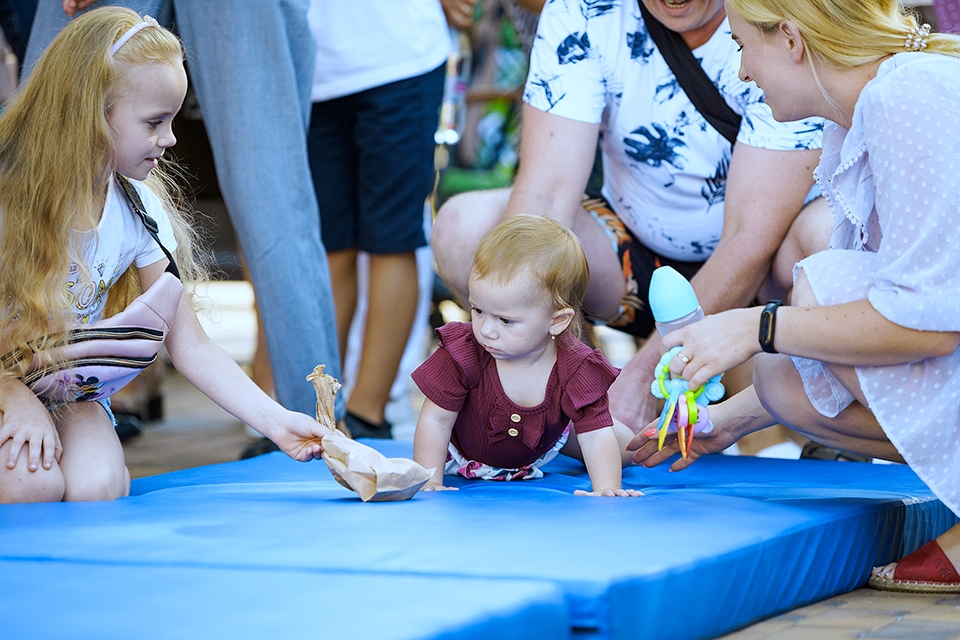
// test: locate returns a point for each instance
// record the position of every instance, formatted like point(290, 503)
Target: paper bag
point(356, 466)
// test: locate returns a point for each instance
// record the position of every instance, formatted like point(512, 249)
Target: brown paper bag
point(356, 466)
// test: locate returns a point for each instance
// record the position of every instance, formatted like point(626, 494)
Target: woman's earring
point(553, 336)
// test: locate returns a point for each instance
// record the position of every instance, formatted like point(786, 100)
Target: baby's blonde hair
point(543, 249)
point(845, 33)
point(57, 154)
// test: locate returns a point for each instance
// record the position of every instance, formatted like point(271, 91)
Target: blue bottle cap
point(671, 296)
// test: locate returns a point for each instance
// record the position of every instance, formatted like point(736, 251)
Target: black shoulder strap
point(133, 198)
point(692, 78)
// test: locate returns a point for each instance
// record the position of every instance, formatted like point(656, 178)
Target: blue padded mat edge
point(760, 536)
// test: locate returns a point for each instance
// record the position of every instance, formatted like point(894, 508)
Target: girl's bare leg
point(92, 463)
point(20, 485)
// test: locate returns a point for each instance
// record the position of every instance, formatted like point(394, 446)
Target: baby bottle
point(672, 300)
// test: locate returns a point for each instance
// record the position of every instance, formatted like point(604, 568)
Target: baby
point(503, 391)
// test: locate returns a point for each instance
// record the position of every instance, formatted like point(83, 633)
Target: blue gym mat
point(727, 542)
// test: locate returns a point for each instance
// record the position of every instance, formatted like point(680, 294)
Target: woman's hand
point(25, 422)
point(714, 345)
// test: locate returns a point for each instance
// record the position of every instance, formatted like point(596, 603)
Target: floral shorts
point(638, 264)
point(458, 465)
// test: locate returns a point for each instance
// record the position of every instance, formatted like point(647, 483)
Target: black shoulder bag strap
point(692, 78)
point(133, 198)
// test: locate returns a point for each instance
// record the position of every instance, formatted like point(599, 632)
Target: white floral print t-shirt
point(665, 167)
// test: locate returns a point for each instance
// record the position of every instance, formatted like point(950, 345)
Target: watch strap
point(768, 326)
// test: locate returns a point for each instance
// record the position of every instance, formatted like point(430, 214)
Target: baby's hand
point(610, 493)
point(437, 486)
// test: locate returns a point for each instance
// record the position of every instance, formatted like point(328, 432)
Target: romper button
point(515, 417)
point(513, 432)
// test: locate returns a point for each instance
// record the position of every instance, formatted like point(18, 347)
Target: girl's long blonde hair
point(56, 159)
point(543, 248)
point(845, 33)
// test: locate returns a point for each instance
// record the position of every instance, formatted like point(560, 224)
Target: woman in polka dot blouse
point(869, 346)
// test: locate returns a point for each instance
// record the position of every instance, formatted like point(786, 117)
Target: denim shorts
point(371, 156)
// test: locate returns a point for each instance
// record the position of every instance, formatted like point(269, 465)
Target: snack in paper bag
point(363, 469)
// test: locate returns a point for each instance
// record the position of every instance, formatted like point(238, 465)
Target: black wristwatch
point(768, 325)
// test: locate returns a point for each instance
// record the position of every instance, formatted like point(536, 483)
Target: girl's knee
point(102, 483)
point(19, 485)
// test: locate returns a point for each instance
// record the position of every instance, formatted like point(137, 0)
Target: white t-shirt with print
point(363, 44)
point(664, 166)
point(119, 240)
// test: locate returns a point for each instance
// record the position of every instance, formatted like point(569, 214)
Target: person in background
point(377, 90)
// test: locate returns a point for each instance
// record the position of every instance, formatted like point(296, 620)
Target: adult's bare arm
point(556, 156)
point(765, 191)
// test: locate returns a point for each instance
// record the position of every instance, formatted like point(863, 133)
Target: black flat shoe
point(128, 426)
point(360, 428)
point(816, 451)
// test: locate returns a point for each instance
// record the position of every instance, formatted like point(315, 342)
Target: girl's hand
point(610, 493)
point(299, 436)
point(25, 422)
point(437, 486)
point(714, 345)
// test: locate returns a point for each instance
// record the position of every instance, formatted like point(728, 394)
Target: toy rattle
point(684, 411)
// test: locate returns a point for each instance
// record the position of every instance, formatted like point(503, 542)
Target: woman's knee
point(780, 389)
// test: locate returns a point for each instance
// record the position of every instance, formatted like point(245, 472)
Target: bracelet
point(768, 325)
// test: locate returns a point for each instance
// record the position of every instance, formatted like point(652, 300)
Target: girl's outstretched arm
point(27, 423)
point(211, 370)
point(431, 440)
point(601, 455)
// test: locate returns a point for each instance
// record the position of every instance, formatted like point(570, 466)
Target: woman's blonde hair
point(56, 159)
point(544, 249)
point(845, 33)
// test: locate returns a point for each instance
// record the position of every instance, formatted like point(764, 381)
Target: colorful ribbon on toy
point(684, 411)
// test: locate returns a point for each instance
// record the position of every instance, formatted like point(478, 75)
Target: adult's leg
point(391, 307)
point(92, 462)
point(809, 234)
point(463, 221)
point(345, 278)
point(252, 69)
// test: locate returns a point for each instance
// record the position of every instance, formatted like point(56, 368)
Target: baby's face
point(142, 120)
point(511, 320)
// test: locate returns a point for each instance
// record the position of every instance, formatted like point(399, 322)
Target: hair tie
point(147, 21)
point(917, 38)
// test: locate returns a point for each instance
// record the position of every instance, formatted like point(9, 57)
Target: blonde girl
point(100, 101)
point(503, 391)
point(870, 360)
